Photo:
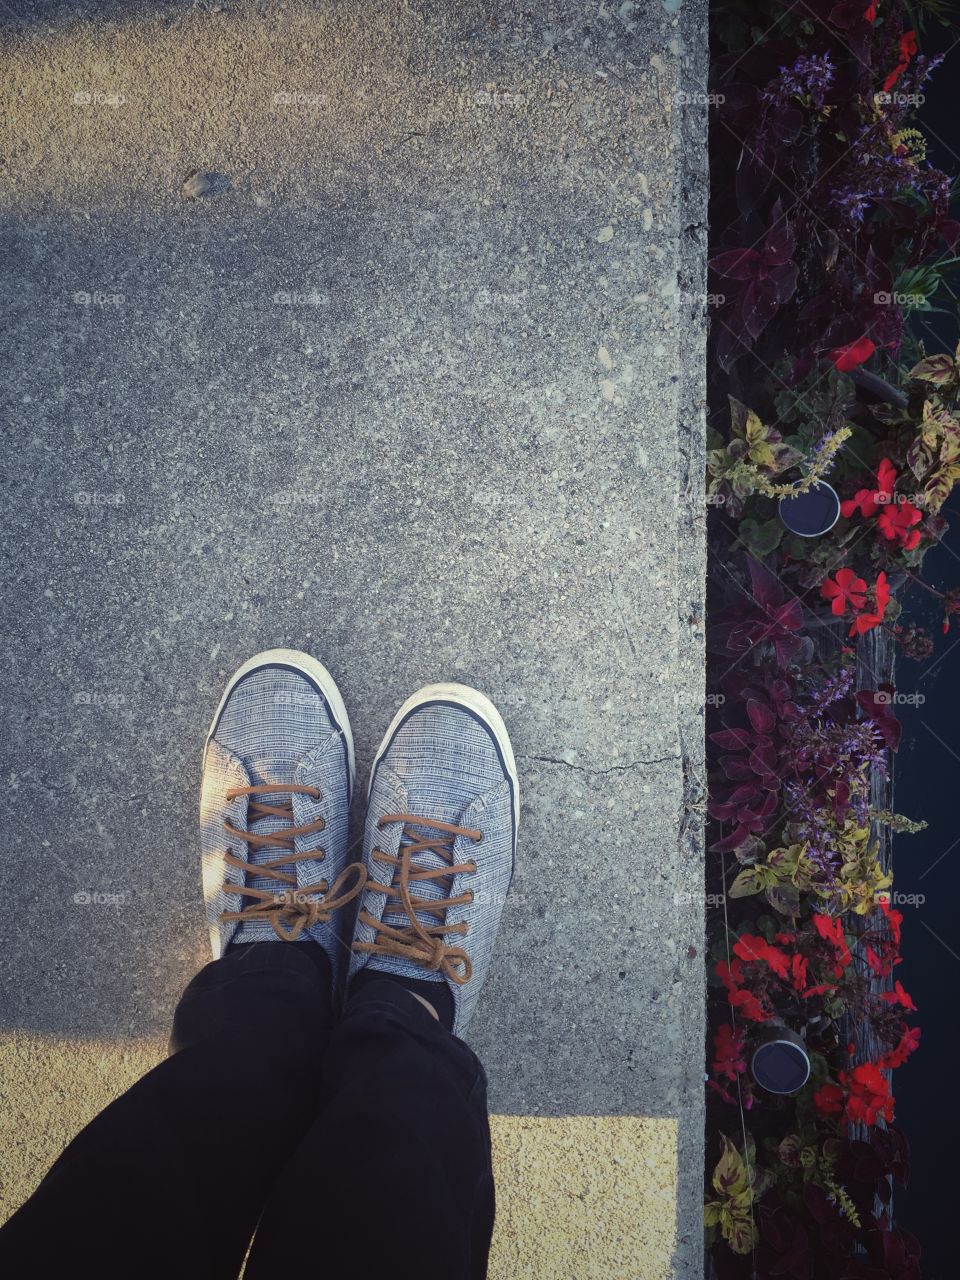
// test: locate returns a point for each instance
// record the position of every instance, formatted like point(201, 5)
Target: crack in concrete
point(614, 768)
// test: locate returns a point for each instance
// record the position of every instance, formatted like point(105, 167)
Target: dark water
point(927, 866)
point(927, 785)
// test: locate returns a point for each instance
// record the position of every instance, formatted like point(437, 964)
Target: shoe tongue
point(268, 825)
point(425, 860)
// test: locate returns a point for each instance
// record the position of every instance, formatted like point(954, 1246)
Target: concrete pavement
point(414, 382)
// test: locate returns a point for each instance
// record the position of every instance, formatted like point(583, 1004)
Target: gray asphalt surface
point(414, 383)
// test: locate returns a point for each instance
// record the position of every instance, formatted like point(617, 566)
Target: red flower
point(863, 623)
point(862, 501)
point(909, 1042)
point(870, 14)
point(867, 621)
point(854, 353)
point(869, 1097)
point(894, 918)
point(818, 990)
point(731, 975)
point(899, 996)
point(845, 590)
point(828, 1099)
point(832, 931)
point(752, 948)
point(907, 48)
point(798, 972)
point(896, 521)
point(728, 1050)
point(749, 1006)
point(882, 592)
point(866, 501)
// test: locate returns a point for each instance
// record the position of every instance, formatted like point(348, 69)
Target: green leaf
point(714, 438)
point(785, 898)
point(939, 487)
point(738, 418)
point(919, 459)
point(754, 430)
point(731, 1175)
point(938, 370)
point(763, 538)
point(748, 882)
point(742, 1234)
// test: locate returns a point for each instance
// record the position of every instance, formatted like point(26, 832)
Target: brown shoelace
point(423, 944)
point(292, 910)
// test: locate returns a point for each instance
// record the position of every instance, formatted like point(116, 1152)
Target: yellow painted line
point(584, 1197)
point(578, 1197)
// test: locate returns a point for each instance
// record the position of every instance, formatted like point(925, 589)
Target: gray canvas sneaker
point(439, 844)
point(274, 806)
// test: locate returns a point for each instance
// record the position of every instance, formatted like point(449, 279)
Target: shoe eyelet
point(470, 899)
point(473, 867)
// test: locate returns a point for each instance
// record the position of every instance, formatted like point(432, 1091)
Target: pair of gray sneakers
point(439, 839)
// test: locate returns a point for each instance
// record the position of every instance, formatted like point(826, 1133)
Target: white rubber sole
point(481, 706)
point(311, 668)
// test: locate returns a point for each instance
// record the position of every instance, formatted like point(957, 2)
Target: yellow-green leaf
point(731, 1176)
point(937, 370)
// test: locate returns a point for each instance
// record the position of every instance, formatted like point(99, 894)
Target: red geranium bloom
point(909, 1041)
point(828, 1099)
point(844, 590)
point(731, 975)
point(907, 48)
point(894, 919)
point(728, 1050)
point(854, 353)
point(899, 996)
point(832, 931)
point(798, 972)
point(871, 13)
point(867, 621)
point(752, 948)
point(749, 1006)
point(896, 521)
point(863, 623)
point(866, 501)
point(882, 592)
point(818, 990)
point(869, 1097)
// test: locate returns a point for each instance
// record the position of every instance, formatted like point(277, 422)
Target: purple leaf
point(761, 717)
point(736, 264)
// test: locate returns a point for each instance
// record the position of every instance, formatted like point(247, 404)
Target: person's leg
point(395, 1177)
point(171, 1178)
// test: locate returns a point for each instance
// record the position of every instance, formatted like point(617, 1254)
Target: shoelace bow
point(296, 907)
point(423, 944)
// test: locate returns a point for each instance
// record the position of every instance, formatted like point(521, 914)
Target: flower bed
point(830, 231)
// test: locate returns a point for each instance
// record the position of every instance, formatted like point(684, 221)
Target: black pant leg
point(395, 1176)
point(170, 1179)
